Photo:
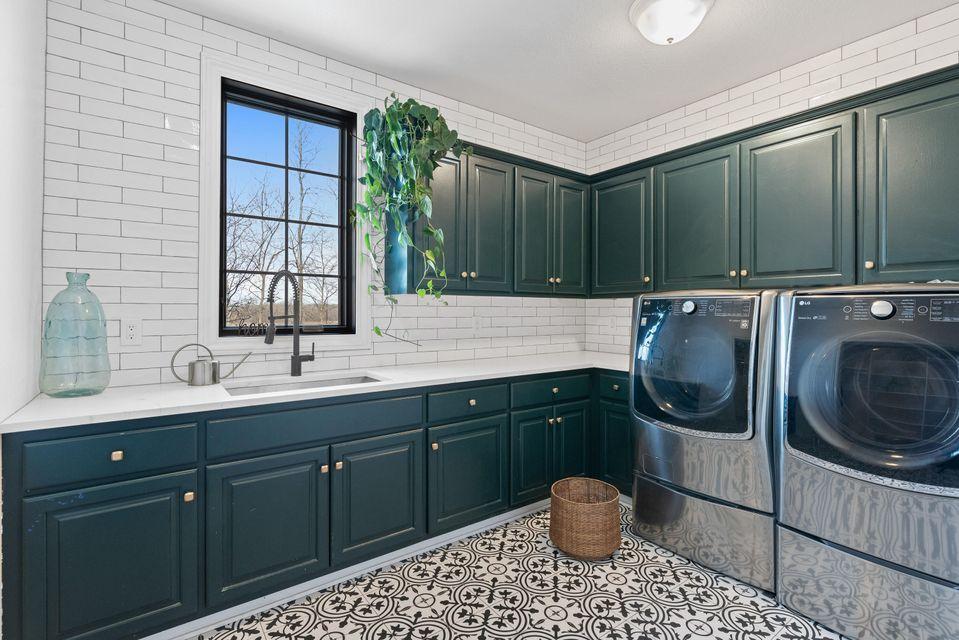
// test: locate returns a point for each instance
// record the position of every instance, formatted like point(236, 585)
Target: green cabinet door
point(468, 476)
point(571, 237)
point(530, 454)
point(267, 523)
point(378, 501)
point(697, 221)
point(615, 445)
point(798, 205)
point(110, 561)
point(570, 435)
point(489, 225)
point(622, 234)
point(449, 215)
point(534, 227)
point(910, 222)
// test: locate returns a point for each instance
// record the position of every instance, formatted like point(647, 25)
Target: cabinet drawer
point(544, 390)
point(278, 429)
point(73, 460)
point(614, 387)
point(463, 403)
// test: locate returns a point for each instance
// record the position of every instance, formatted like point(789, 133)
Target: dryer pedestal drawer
point(733, 541)
point(860, 598)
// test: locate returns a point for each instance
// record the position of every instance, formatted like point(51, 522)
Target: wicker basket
point(584, 518)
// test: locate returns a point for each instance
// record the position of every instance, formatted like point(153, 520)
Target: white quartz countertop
point(126, 403)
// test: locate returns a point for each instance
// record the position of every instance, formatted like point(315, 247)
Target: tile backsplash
point(121, 173)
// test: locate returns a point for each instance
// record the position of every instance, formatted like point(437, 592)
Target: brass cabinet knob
point(555, 389)
point(743, 273)
point(464, 275)
point(189, 496)
point(338, 465)
point(325, 468)
point(472, 274)
point(870, 264)
point(435, 446)
point(559, 280)
point(646, 278)
point(551, 279)
point(559, 420)
point(116, 456)
point(615, 387)
point(550, 421)
point(732, 273)
point(472, 402)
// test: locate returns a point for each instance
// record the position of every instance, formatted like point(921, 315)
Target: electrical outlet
point(131, 332)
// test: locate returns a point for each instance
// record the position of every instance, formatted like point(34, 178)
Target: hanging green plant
point(404, 143)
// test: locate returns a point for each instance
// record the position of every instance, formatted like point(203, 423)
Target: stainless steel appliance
point(700, 384)
point(867, 438)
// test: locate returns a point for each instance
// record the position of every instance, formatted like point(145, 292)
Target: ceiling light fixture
point(668, 21)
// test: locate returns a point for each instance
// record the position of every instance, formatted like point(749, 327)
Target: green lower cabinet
point(615, 445)
point(268, 523)
point(468, 476)
point(570, 435)
point(530, 454)
point(110, 561)
point(378, 501)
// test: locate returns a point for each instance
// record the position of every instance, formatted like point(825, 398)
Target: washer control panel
point(878, 308)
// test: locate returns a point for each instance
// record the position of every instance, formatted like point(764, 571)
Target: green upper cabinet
point(378, 499)
point(534, 226)
point(468, 476)
point(910, 223)
point(449, 214)
point(489, 226)
point(110, 561)
point(697, 221)
point(622, 234)
point(267, 523)
point(798, 205)
point(571, 237)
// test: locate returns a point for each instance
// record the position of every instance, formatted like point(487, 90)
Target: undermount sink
point(251, 388)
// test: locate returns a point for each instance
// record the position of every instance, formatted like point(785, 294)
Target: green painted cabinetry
point(110, 561)
point(449, 214)
point(798, 205)
point(570, 433)
point(468, 475)
point(697, 221)
point(267, 523)
point(570, 237)
point(489, 226)
point(910, 221)
point(622, 234)
point(615, 443)
point(378, 499)
point(534, 228)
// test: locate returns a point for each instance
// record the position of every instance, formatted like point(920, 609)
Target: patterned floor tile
point(511, 582)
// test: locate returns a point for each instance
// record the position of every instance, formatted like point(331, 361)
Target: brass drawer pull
point(550, 421)
point(189, 496)
point(559, 281)
point(325, 468)
point(555, 390)
point(646, 278)
point(472, 274)
point(435, 446)
point(743, 272)
point(732, 273)
point(464, 275)
point(338, 465)
point(869, 264)
point(551, 280)
point(615, 387)
point(472, 402)
point(116, 456)
point(559, 420)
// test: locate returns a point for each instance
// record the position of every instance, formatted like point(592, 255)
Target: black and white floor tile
point(511, 582)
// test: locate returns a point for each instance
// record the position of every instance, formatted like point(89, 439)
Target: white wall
point(21, 180)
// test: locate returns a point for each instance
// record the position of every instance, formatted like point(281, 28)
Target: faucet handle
point(312, 350)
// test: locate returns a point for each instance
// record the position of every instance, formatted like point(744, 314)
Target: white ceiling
point(575, 67)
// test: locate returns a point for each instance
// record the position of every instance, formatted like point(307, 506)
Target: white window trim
point(214, 67)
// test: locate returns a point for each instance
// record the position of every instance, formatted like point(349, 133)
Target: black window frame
point(233, 91)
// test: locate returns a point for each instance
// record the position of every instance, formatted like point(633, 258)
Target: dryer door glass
point(881, 395)
point(692, 363)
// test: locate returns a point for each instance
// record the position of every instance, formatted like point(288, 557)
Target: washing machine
point(867, 439)
point(700, 402)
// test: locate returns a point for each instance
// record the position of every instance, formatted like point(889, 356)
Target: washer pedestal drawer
point(733, 541)
point(862, 599)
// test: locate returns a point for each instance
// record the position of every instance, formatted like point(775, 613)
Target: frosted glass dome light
point(667, 22)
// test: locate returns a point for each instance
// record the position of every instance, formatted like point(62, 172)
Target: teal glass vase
point(73, 353)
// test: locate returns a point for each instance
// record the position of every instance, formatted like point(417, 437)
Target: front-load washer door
point(874, 386)
point(692, 367)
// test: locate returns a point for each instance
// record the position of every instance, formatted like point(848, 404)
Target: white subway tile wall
point(122, 170)
point(910, 49)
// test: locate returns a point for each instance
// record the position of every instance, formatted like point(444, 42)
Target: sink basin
point(273, 387)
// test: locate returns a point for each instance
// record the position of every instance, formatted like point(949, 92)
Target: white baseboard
point(190, 630)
